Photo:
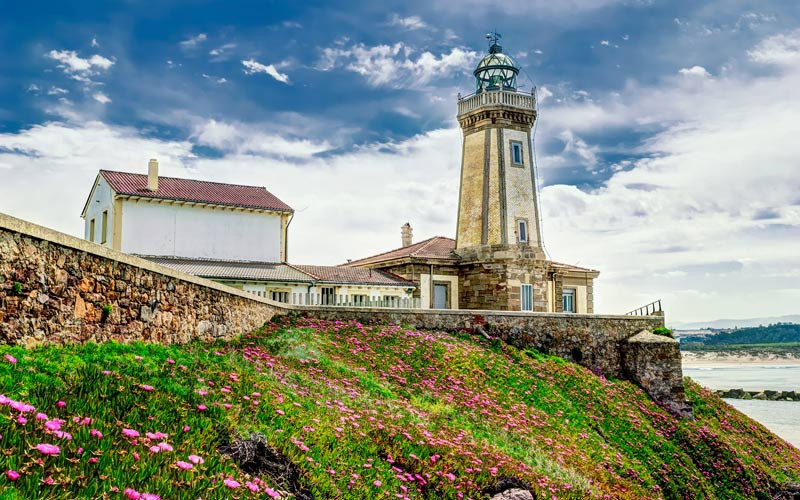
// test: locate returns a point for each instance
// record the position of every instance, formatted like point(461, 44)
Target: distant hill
point(734, 323)
point(770, 334)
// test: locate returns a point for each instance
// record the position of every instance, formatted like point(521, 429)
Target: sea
point(781, 417)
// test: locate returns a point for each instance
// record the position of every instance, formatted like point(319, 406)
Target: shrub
point(666, 332)
point(17, 287)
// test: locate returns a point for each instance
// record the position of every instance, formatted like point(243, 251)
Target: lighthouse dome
point(496, 71)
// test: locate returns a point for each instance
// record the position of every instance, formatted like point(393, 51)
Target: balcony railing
point(510, 98)
point(653, 308)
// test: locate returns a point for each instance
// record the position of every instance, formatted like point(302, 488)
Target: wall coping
point(38, 232)
point(466, 312)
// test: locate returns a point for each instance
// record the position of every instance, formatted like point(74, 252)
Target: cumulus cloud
point(80, 68)
point(780, 49)
point(252, 66)
point(241, 139)
point(409, 23)
point(695, 71)
point(394, 65)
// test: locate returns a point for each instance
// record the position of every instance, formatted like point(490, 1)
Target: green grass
point(367, 412)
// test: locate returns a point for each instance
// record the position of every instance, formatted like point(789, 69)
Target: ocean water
point(747, 377)
point(781, 417)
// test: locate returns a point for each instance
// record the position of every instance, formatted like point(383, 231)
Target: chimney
point(406, 233)
point(152, 175)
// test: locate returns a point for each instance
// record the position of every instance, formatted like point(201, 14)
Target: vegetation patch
point(313, 409)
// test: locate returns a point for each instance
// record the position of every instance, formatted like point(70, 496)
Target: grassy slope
point(370, 412)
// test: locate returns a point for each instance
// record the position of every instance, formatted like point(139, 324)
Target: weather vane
point(494, 37)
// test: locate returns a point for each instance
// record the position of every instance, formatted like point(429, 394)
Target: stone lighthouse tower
point(497, 202)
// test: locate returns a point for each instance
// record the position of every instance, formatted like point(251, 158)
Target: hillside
point(344, 410)
point(778, 333)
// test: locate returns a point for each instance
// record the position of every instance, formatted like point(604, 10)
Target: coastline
point(715, 359)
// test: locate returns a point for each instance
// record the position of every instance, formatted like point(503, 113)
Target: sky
point(667, 138)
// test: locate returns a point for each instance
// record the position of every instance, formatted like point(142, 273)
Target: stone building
point(497, 260)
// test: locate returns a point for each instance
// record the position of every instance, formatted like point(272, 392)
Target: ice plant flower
point(130, 433)
point(165, 446)
point(196, 459)
point(232, 484)
point(184, 465)
point(272, 493)
point(11, 359)
point(12, 475)
point(202, 407)
point(61, 404)
point(147, 387)
point(48, 449)
point(22, 420)
point(95, 433)
point(132, 494)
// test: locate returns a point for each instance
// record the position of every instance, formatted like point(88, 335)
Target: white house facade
point(165, 216)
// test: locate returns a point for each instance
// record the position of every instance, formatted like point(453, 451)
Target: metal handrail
point(646, 310)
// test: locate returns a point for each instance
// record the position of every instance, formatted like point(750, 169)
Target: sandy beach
point(720, 359)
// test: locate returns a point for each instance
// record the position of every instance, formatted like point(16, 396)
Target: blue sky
point(666, 140)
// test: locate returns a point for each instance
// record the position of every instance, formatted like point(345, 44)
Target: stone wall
point(53, 288)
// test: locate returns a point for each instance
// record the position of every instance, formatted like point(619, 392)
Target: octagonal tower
point(498, 196)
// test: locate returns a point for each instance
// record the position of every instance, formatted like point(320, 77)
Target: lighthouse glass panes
point(496, 71)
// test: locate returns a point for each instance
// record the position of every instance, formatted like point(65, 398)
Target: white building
point(166, 216)
point(228, 233)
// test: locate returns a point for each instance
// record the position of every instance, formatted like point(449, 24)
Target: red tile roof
point(437, 247)
point(217, 193)
point(354, 275)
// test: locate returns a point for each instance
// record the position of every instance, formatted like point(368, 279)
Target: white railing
point(499, 97)
point(318, 299)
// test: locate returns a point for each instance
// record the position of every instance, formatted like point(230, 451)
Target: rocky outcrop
point(766, 395)
point(654, 363)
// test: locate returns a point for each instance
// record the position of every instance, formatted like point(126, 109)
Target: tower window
point(91, 230)
point(516, 153)
point(522, 231)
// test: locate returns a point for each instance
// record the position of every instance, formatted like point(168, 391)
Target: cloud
point(33, 88)
point(80, 68)
point(409, 23)
point(194, 41)
point(222, 52)
point(95, 43)
point(781, 49)
point(251, 66)
point(695, 71)
point(57, 91)
point(393, 65)
point(240, 139)
point(101, 98)
point(605, 42)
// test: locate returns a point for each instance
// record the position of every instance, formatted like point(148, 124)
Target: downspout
point(432, 289)
point(286, 239)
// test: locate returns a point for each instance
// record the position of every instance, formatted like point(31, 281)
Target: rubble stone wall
point(56, 288)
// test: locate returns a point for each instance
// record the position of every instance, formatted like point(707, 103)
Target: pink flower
point(95, 433)
point(272, 493)
point(202, 407)
point(377, 483)
point(155, 449)
point(12, 475)
point(184, 465)
point(196, 459)
point(61, 404)
point(11, 359)
point(171, 361)
point(146, 387)
point(21, 407)
point(139, 358)
point(149, 496)
point(186, 428)
point(251, 485)
point(53, 425)
point(165, 446)
point(232, 484)
point(132, 494)
point(130, 433)
point(280, 412)
point(106, 372)
point(22, 420)
point(41, 416)
point(136, 456)
point(49, 480)
point(48, 449)
point(93, 460)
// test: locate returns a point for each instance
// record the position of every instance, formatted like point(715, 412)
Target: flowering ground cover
point(359, 411)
